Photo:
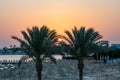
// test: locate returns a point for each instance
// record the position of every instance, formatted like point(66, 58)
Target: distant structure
point(116, 45)
point(11, 51)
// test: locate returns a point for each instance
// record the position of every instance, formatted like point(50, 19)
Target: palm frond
point(51, 35)
point(81, 35)
point(26, 37)
point(71, 38)
point(95, 36)
point(23, 43)
point(88, 34)
point(67, 40)
point(30, 33)
point(75, 33)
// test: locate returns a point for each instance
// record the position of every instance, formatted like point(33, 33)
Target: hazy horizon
point(17, 15)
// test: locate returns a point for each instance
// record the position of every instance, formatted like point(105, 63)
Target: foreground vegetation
point(62, 71)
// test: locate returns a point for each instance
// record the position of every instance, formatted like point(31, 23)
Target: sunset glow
point(61, 15)
point(59, 40)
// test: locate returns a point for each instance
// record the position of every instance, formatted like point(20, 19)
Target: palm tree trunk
point(80, 67)
point(39, 69)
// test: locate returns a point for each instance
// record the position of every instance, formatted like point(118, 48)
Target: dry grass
point(63, 70)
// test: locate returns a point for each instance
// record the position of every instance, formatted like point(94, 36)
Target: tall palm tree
point(81, 43)
point(37, 44)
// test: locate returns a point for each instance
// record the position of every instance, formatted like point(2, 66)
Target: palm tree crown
point(37, 42)
point(82, 41)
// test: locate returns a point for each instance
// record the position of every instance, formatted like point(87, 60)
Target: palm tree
point(37, 44)
point(81, 43)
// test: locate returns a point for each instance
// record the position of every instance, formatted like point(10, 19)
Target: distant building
point(116, 45)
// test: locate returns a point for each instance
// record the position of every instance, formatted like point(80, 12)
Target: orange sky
point(17, 15)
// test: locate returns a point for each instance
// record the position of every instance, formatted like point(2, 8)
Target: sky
point(61, 15)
